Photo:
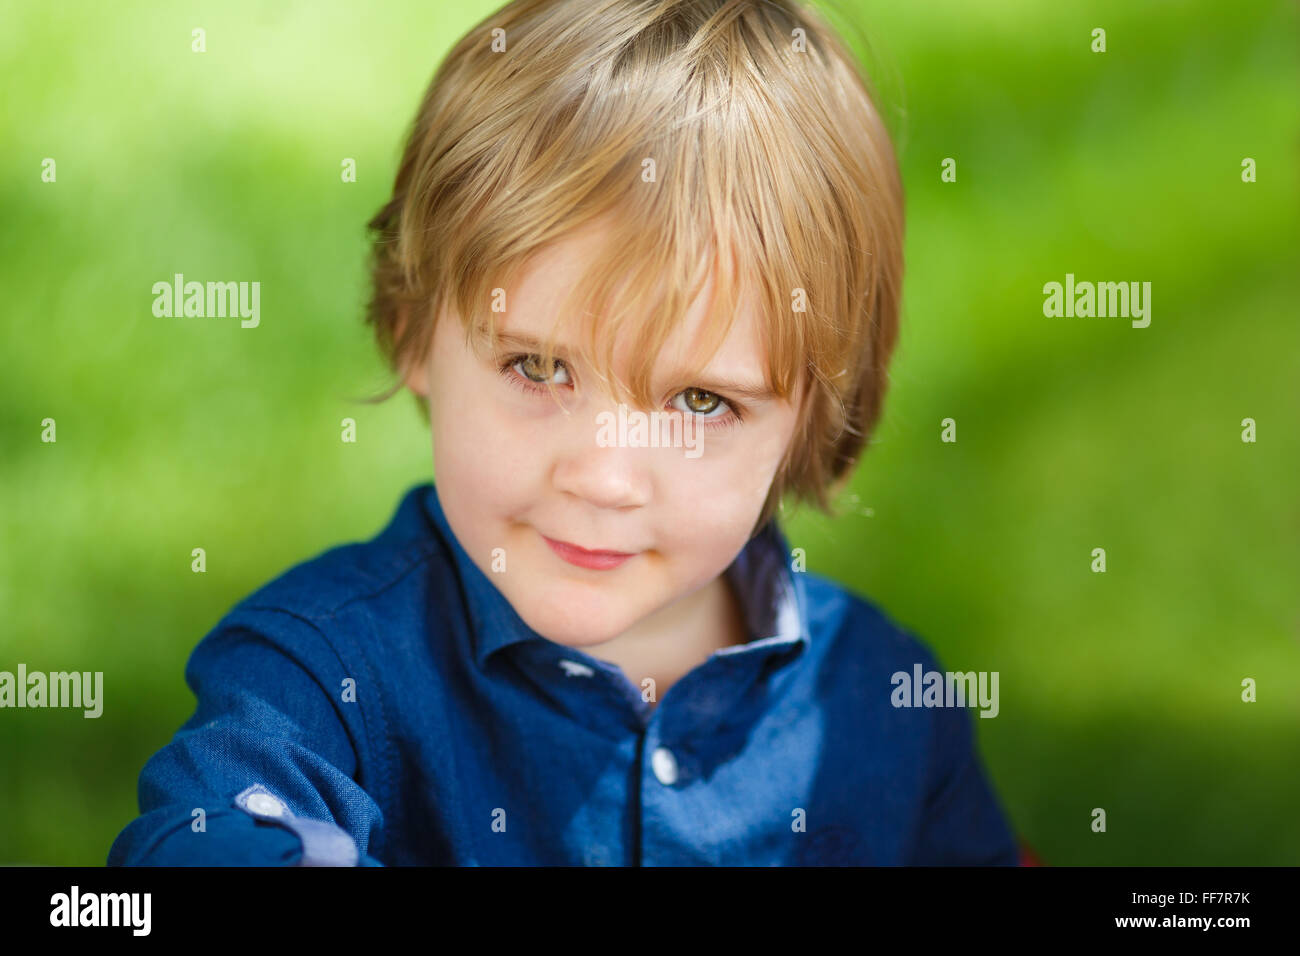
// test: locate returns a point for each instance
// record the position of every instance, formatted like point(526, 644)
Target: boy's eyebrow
point(754, 392)
point(517, 340)
point(757, 393)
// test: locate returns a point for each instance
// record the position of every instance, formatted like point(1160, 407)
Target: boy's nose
point(605, 475)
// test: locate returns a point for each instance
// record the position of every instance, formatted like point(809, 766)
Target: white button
point(665, 766)
point(266, 804)
point(576, 669)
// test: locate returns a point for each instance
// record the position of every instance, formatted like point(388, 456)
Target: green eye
point(532, 368)
point(700, 401)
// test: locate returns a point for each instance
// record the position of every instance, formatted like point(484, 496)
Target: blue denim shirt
point(384, 704)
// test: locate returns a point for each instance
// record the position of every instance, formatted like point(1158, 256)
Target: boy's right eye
point(532, 369)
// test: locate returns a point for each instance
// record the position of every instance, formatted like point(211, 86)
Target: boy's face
point(514, 468)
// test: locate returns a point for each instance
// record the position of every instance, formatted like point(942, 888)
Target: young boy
point(590, 643)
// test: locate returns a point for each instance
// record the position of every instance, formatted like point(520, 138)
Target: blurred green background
point(1118, 690)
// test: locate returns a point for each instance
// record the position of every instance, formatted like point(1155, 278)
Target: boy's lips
point(586, 558)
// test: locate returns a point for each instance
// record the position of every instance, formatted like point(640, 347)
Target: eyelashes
point(506, 367)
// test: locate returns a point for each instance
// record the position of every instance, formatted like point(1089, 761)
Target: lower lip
point(593, 560)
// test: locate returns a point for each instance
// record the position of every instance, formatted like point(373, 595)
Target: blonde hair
point(737, 135)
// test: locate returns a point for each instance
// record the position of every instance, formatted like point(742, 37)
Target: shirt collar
point(771, 596)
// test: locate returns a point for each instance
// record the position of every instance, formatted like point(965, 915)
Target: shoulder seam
point(401, 565)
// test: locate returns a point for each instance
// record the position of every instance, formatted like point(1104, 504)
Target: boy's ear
point(415, 374)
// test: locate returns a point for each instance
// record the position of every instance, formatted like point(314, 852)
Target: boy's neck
point(675, 640)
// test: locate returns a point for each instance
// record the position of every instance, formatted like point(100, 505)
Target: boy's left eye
point(532, 368)
point(700, 403)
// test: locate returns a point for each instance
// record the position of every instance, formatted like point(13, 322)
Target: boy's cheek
point(473, 437)
point(732, 483)
point(710, 513)
point(483, 474)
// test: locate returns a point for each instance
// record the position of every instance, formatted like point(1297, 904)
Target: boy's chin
point(575, 626)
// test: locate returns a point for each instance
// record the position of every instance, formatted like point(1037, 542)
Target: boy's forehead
point(554, 273)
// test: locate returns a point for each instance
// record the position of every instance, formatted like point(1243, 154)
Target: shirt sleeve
point(962, 823)
point(263, 773)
